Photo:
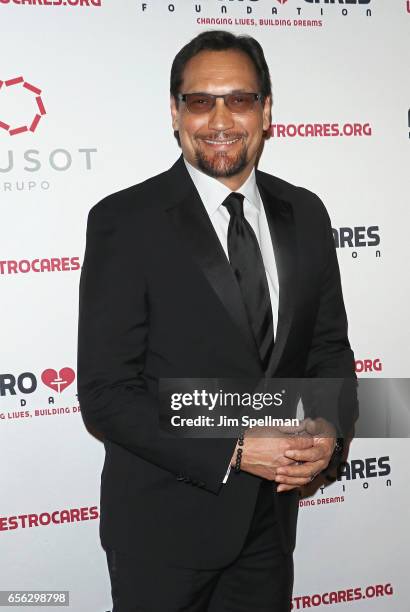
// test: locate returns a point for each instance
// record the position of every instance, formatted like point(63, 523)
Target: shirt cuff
point(227, 474)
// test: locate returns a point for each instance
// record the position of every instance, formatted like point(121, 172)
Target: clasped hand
point(290, 456)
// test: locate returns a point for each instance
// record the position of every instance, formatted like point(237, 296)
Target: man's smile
point(220, 143)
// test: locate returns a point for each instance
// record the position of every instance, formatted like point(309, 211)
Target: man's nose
point(220, 117)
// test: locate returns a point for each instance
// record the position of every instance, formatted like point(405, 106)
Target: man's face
point(222, 144)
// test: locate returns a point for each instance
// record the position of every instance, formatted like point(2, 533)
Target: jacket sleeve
point(114, 319)
point(330, 355)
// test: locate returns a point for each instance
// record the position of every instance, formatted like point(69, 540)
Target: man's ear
point(267, 113)
point(174, 114)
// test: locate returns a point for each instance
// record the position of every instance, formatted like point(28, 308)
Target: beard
point(221, 163)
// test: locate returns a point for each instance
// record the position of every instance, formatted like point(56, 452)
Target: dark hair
point(221, 40)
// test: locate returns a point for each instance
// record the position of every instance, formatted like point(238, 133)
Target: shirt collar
point(212, 192)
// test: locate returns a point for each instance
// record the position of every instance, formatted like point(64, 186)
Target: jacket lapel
point(281, 223)
point(195, 231)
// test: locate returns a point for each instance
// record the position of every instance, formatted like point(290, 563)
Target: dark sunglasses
point(199, 103)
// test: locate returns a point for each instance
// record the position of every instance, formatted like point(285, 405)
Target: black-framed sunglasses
point(199, 103)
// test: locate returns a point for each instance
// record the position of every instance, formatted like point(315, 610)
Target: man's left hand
point(309, 462)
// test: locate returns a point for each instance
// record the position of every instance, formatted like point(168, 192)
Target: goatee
point(221, 164)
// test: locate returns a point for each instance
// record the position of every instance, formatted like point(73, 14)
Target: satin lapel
point(279, 214)
point(195, 230)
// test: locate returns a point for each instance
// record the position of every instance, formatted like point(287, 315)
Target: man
point(208, 270)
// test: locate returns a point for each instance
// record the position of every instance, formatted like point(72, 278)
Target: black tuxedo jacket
point(158, 299)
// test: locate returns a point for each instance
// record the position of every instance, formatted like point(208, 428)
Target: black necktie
point(247, 263)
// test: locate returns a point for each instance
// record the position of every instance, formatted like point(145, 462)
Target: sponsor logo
point(64, 3)
point(58, 381)
point(32, 161)
point(33, 106)
point(370, 467)
point(22, 111)
point(301, 602)
point(368, 365)
point(26, 382)
point(357, 237)
point(53, 264)
point(231, 12)
point(22, 389)
point(45, 519)
point(360, 470)
point(319, 130)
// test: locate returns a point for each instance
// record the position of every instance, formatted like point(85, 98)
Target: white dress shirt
point(212, 193)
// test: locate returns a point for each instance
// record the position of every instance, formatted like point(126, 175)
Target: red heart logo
point(58, 381)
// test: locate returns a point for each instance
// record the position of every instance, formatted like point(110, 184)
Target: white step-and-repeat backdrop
point(84, 111)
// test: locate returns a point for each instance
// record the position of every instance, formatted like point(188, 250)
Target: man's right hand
point(265, 447)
